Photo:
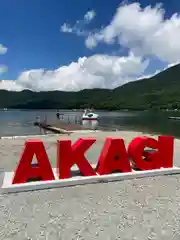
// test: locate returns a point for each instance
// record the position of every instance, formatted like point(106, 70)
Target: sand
point(145, 208)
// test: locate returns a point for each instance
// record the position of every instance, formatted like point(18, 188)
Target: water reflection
point(18, 122)
point(154, 122)
point(90, 124)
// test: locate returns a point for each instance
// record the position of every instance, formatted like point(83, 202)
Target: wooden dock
point(64, 125)
point(50, 128)
point(68, 124)
point(59, 127)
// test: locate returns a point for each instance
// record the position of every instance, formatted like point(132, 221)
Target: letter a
point(25, 170)
point(68, 155)
point(113, 157)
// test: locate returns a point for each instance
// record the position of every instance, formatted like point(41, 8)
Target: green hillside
point(160, 91)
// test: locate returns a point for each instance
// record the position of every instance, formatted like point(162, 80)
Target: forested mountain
point(160, 91)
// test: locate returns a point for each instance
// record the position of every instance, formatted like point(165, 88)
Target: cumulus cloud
point(98, 71)
point(89, 15)
point(3, 49)
point(10, 85)
point(91, 41)
point(143, 30)
point(66, 28)
point(77, 28)
point(3, 69)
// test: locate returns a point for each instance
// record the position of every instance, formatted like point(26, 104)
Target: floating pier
point(50, 128)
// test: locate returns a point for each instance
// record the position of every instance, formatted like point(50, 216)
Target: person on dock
point(38, 119)
point(58, 115)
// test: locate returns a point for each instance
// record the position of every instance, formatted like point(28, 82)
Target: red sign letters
point(113, 157)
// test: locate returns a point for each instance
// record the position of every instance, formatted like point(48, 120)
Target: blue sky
point(31, 32)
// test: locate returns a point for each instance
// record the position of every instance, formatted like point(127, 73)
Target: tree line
point(161, 91)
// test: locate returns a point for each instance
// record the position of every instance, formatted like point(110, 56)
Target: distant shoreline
point(96, 110)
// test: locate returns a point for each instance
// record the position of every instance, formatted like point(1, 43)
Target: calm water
point(18, 122)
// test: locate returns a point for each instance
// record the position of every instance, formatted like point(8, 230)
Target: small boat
point(89, 115)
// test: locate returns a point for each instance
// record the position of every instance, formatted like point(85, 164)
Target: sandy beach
point(146, 208)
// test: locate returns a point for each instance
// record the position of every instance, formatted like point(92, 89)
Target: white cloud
point(3, 69)
point(91, 41)
point(77, 28)
point(10, 85)
point(89, 15)
point(173, 64)
point(3, 49)
point(143, 30)
point(66, 28)
point(96, 71)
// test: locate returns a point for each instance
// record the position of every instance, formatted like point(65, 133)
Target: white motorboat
point(90, 115)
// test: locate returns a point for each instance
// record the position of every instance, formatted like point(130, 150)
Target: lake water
point(20, 122)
